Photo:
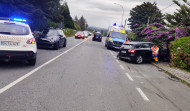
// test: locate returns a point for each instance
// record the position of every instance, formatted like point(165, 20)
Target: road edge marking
point(122, 67)
point(130, 78)
point(143, 94)
point(5, 88)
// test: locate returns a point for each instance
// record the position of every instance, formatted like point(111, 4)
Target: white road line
point(142, 94)
point(36, 69)
point(122, 67)
point(117, 61)
point(111, 53)
point(130, 78)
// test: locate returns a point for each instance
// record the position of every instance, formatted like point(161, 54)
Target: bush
point(180, 53)
point(69, 32)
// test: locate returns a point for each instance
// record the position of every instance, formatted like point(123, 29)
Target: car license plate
point(9, 43)
point(123, 51)
point(78, 36)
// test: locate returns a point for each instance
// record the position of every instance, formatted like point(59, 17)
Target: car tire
point(139, 59)
point(57, 46)
point(65, 43)
point(100, 40)
point(32, 62)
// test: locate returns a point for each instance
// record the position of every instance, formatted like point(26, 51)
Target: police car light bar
point(19, 20)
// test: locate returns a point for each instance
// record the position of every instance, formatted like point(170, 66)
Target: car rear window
point(128, 46)
point(97, 34)
point(13, 29)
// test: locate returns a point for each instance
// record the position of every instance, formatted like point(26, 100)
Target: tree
point(82, 23)
point(141, 15)
point(68, 21)
point(181, 17)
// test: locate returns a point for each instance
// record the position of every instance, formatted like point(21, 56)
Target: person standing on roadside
point(155, 52)
point(127, 41)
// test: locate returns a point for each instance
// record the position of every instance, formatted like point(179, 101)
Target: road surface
point(85, 76)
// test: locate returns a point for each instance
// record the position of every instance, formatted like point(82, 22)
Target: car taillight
point(31, 41)
point(82, 35)
point(131, 51)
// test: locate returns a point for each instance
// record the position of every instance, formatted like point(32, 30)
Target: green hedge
point(180, 53)
point(69, 32)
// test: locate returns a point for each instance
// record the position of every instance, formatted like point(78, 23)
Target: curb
point(173, 75)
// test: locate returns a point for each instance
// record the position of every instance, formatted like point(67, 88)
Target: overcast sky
point(103, 13)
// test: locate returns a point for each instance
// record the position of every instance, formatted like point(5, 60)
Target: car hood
point(49, 38)
point(117, 40)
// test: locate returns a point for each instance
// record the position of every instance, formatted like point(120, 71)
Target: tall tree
point(146, 13)
point(82, 23)
point(181, 17)
point(68, 21)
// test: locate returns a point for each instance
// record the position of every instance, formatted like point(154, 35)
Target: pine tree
point(142, 14)
point(68, 21)
point(82, 23)
point(181, 17)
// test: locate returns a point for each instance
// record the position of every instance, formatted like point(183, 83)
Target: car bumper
point(111, 45)
point(17, 55)
point(46, 45)
point(97, 38)
point(130, 57)
point(79, 37)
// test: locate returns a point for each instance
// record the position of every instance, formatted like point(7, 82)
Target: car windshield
point(118, 35)
point(80, 32)
point(13, 29)
point(52, 33)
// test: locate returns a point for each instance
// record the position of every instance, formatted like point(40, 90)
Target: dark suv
point(97, 37)
point(136, 51)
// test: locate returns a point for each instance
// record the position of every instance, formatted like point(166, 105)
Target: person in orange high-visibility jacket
point(155, 52)
point(127, 41)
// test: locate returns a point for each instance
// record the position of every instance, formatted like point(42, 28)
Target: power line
point(169, 6)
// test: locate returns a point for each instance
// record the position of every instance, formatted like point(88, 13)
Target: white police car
point(17, 41)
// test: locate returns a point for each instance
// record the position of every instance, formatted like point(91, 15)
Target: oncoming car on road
point(79, 34)
point(52, 38)
point(136, 51)
point(17, 41)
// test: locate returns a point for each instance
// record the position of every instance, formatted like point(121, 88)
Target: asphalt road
point(85, 76)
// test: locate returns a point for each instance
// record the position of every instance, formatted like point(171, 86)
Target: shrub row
point(69, 32)
point(180, 53)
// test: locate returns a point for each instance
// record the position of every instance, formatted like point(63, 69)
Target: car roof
point(135, 43)
point(17, 23)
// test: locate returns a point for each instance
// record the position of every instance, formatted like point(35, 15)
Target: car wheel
point(32, 62)
point(57, 46)
point(65, 43)
point(139, 59)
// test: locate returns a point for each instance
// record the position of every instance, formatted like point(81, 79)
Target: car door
point(61, 37)
point(146, 51)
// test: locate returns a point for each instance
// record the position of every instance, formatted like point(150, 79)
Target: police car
point(116, 37)
point(17, 41)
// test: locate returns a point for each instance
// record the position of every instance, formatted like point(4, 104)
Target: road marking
point(130, 78)
point(111, 53)
point(122, 67)
point(117, 61)
point(142, 94)
point(36, 69)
